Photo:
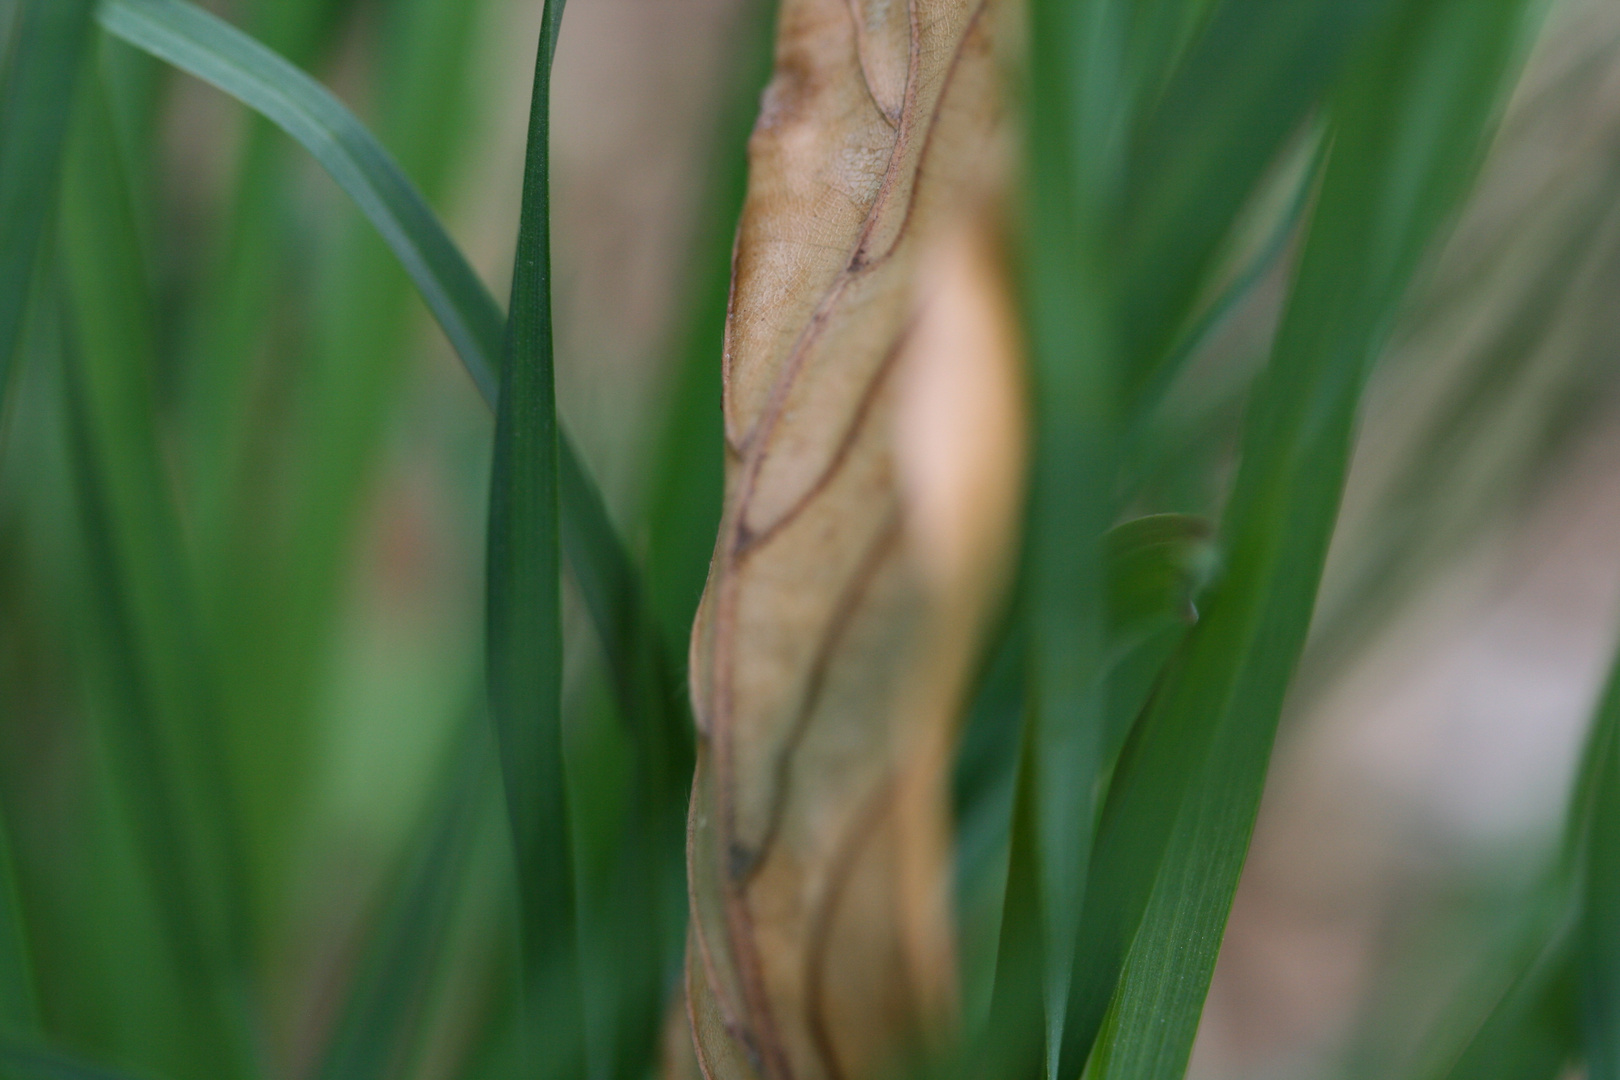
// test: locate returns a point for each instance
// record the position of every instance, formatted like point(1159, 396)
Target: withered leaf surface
point(874, 456)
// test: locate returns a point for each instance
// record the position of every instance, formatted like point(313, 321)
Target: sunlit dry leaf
point(874, 458)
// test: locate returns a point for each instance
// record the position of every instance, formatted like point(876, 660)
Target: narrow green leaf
point(1244, 87)
point(41, 67)
point(1076, 152)
point(523, 630)
point(1409, 126)
point(209, 49)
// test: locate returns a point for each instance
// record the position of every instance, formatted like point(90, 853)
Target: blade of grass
point(42, 66)
point(1244, 87)
point(1076, 153)
point(523, 640)
point(213, 51)
point(163, 732)
point(1409, 127)
point(1154, 567)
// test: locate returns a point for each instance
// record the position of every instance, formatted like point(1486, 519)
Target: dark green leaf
point(523, 629)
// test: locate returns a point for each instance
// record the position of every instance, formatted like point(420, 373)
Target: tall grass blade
point(1076, 150)
point(42, 62)
point(1409, 125)
point(210, 49)
point(523, 629)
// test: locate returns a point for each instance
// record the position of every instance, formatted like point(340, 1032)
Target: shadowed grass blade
point(1409, 126)
point(209, 49)
point(523, 640)
point(36, 92)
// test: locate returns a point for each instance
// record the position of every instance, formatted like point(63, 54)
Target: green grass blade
point(1076, 150)
point(209, 49)
point(1244, 87)
point(1409, 127)
point(523, 630)
point(36, 93)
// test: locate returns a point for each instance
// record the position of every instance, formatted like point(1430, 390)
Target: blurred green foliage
point(251, 812)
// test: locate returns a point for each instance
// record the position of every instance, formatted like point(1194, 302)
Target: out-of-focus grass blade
point(1155, 567)
point(163, 732)
point(211, 50)
point(17, 1003)
point(1409, 126)
point(1076, 142)
point(1244, 87)
point(375, 1036)
point(524, 628)
point(37, 80)
point(1523, 1026)
point(19, 1061)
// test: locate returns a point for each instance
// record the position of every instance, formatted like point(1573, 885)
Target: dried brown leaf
point(874, 443)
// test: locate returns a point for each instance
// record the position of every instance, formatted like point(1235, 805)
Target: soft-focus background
point(336, 484)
